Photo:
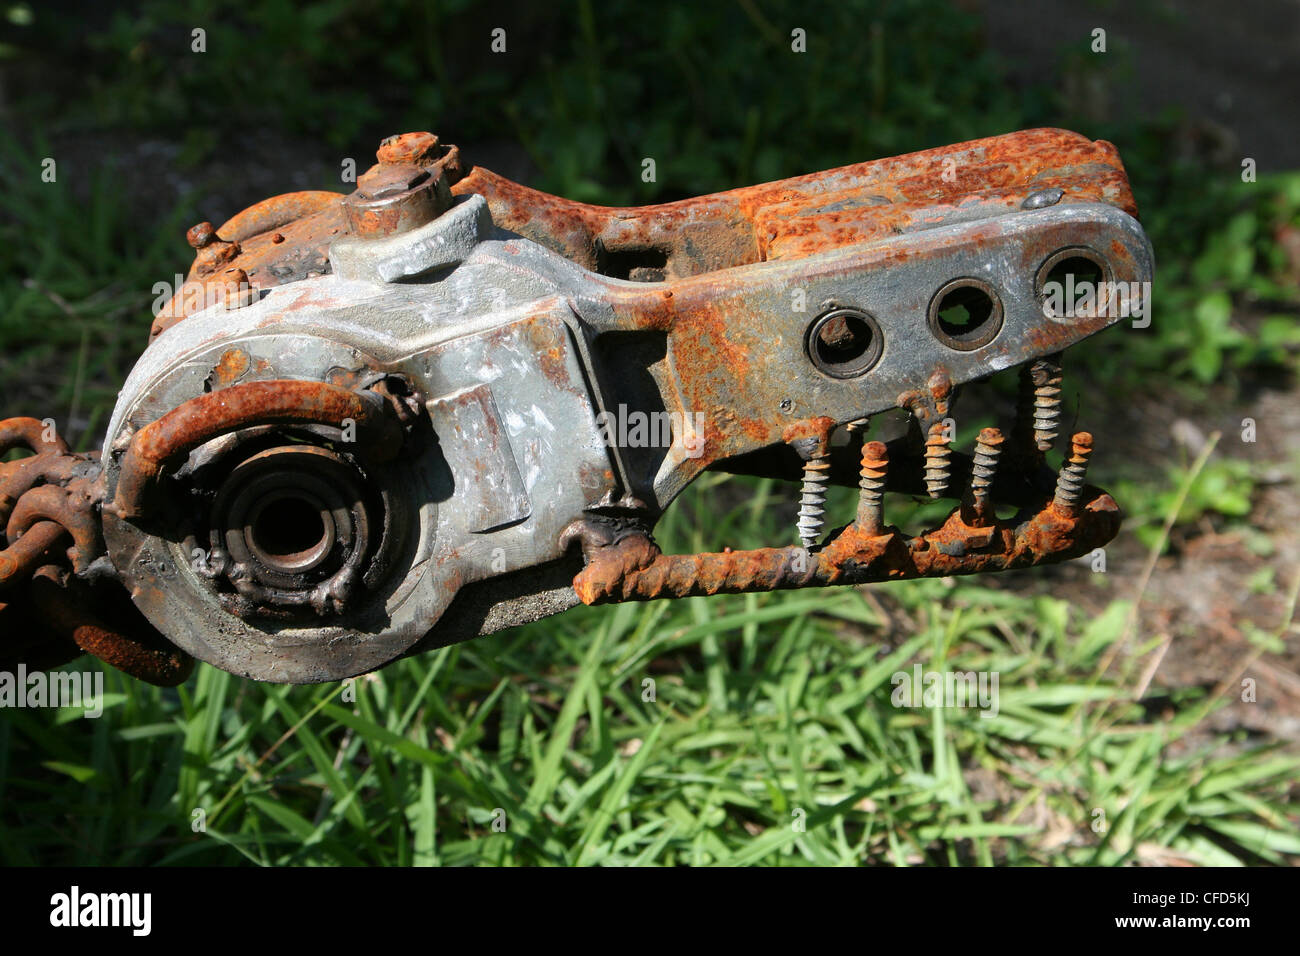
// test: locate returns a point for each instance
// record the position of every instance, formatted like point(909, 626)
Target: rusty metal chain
point(50, 612)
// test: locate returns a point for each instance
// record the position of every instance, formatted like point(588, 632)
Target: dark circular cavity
point(294, 522)
point(289, 532)
point(844, 343)
point(1063, 277)
point(966, 314)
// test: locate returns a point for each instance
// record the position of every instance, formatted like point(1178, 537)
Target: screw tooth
point(1070, 481)
point(813, 496)
point(938, 461)
point(984, 465)
point(1039, 406)
point(857, 426)
point(1046, 376)
point(871, 497)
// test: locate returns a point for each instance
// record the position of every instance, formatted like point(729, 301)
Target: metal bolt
point(384, 180)
point(984, 465)
point(938, 461)
point(1069, 483)
point(871, 497)
point(1046, 376)
point(392, 198)
point(1040, 400)
point(200, 235)
point(813, 497)
point(1043, 198)
point(419, 148)
point(213, 252)
point(238, 290)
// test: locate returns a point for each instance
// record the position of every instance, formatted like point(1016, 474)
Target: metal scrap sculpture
point(372, 424)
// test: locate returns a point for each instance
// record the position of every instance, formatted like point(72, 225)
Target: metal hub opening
point(966, 314)
point(290, 532)
point(1068, 272)
point(844, 343)
point(292, 526)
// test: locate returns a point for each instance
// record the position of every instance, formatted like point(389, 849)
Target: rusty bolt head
point(394, 198)
point(237, 288)
point(418, 148)
point(200, 235)
point(212, 252)
point(382, 181)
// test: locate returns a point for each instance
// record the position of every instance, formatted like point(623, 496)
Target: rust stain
point(633, 569)
point(65, 608)
point(230, 368)
point(207, 416)
point(809, 214)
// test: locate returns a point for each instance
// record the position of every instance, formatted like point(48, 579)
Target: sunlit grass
point(770, 739)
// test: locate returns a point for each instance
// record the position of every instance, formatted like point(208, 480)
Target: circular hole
point(1070, 283)
point(289, 532)
point(844, 343)
point(966, 314)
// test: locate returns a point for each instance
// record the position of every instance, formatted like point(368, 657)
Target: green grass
point(77, 281)
point(771, 738)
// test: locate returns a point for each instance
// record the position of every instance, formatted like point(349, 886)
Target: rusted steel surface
point(66, 610)
point(32, 434)
point(271, 214)
point(72, 507)
point(49, 513)
point(288, 236)
point(208, 416)
point(395, 197)
point(43, 497)
point(358, 409)
point(806, 215)
point(21, 559)
point(422, 149)
point(865, 552)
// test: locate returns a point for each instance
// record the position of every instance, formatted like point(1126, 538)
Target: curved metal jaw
point(370, 425)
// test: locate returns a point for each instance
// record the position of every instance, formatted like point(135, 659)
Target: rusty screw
point(1040, 397)
point(938, 461)
point(1069, 483)
point(984, 465)
point(212, 252)
point(871, 497)
point(237, 288)
point(812, 511)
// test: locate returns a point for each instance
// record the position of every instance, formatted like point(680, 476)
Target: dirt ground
point(1233, 76)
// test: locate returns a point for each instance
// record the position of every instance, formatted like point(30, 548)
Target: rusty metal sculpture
point(372, 424)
